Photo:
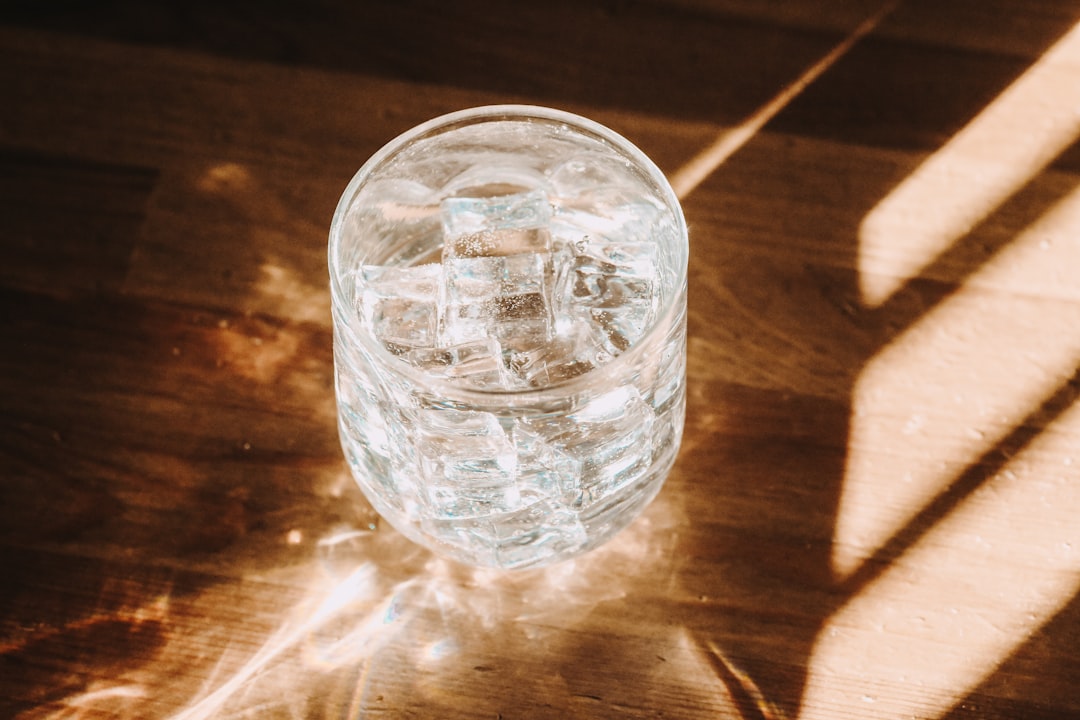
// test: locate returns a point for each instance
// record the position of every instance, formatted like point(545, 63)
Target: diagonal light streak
point(1013, 139)
point(955, 534)
point(367, 634)
point(694, 172)
point(957, 381)
point(973, 589)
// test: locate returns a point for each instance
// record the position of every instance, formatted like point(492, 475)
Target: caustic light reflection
point(301, 300)
point(226, 177)
point(369, 611)
point(373, 592)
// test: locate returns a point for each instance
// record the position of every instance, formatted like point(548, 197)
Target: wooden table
point(876, 508)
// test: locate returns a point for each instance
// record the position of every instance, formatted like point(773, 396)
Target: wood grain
point(873, 514)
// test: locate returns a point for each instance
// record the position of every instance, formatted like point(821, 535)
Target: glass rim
point(340, 304)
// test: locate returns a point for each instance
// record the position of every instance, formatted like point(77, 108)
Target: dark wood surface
point(876, 508)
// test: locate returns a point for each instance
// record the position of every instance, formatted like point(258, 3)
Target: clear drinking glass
point(509, 306)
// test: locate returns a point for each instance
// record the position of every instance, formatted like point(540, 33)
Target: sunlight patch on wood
point(363, 611)
point(299, 299)
point(1021, 132)
point(225, 177)
point(948, 612)
point(962, 378)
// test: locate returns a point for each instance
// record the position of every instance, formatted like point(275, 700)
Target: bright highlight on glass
point(509, 299)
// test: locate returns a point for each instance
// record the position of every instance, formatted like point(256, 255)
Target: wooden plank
point(70, 225)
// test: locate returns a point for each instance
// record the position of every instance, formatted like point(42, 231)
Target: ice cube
point(398, 304)
point(576, 348)
point(615, 285)
point(612, 274)
point(505, 298)
point(520, 538)
point(477, 363)
point(499, 225)
point(601, 196)
point(535, 533)
point(622, 326)
point(609, 435)
point(544, 471)
point(497, 270)
point(585, 173)
point(468, 463)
